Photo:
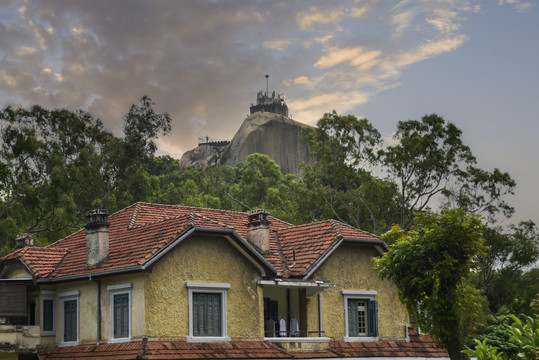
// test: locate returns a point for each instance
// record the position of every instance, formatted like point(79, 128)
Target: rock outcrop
point(277, 136)
point(268, 130)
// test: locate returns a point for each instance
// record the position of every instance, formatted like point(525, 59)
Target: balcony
point(286, 314)
point(19, 338)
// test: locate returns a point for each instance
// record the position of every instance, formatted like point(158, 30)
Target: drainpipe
point(320, 314)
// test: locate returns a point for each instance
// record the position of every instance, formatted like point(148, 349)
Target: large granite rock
point(275, 135)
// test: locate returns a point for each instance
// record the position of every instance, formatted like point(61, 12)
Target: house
point(169, 282)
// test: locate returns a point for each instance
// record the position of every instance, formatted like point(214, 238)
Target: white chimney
point(97, 237)
point(258, 232)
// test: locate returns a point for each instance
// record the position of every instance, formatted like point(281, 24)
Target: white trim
point(212, 288)
point(68, 296)
point(69, 293)
point(369, 294)
point(47, 295)
point(207, 286)
point(120, 289)
point(357, 295)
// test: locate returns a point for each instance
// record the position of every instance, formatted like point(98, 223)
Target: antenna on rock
point(267, 76)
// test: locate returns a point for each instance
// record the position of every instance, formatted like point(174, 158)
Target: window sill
point(119, 340)
point(361, 339)
point(69, 343)
point(207, 339)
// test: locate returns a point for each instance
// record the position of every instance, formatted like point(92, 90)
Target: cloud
point(354, 56)
point(520, 6)
point(307, 20)
point(204, 61)
point(25, 50)
point(279, 45)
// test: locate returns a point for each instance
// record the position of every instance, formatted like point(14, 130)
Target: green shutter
point(207, 314)
point(121, 316)
point(372, 313)
point(353, 321)
point(48, 315)
point(70, 320)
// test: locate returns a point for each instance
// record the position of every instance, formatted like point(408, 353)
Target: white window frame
point(114, 290)
point(211, 288)
point(67, 296)
point(47, 295)
point(356, 295)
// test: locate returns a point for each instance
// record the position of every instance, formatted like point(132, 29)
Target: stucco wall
point(137, 304)
point(350, 268)
point(88, 308)
point(209, 260)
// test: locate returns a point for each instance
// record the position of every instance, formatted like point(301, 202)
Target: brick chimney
point(24, 240)
point(258, 232)
point(97, 237)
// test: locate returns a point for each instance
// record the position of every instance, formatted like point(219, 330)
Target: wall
point(350, 268)
point(203, 259)
point(88, 308)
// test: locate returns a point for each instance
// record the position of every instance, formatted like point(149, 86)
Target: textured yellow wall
point(210, 260)
point(137, 304)
point(350, 268)
point(88, 307)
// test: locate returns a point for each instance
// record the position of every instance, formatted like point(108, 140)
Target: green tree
point(505, 276)
point(430, 265)
point(343, 148)
point(428, 155)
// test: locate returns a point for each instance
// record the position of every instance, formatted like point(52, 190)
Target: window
point(207, 312)
point(361, 314)
point(70, 318)
point(47, 312)
point(120, 312)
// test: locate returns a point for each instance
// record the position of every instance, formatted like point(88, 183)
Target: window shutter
point(121, 316)
point(206, 314)
point(48, 315)
point(70, 320)
point(353, 320)
point(13, 300)
point(372, 311)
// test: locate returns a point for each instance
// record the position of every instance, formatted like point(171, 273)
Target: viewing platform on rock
point(206, 140)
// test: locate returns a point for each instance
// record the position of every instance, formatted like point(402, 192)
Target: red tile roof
point(419, 346)
point(141, 231)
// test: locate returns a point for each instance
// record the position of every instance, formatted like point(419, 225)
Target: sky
point(475, 63)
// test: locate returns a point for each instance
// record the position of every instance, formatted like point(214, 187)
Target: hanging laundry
point(294, 327)
point(282, 328)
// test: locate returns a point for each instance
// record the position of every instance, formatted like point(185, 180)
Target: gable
point(15, 271)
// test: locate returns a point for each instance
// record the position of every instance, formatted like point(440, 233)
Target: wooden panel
point(13, 300)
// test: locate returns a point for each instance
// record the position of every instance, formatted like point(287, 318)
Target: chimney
point(24, 240)
point(258, 229)
point(97, 237)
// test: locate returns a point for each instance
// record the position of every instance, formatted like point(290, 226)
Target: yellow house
point(160, 281)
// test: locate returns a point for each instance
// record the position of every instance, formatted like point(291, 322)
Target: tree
point(57, 164)
point(430, 265)
point(505, 276)
point(44, 154)
point(344, 148)
point(428, 155)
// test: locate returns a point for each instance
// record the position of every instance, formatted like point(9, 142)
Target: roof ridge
point(212, 220)
point(336, 228)
point(158, 221)
point(134, 216)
